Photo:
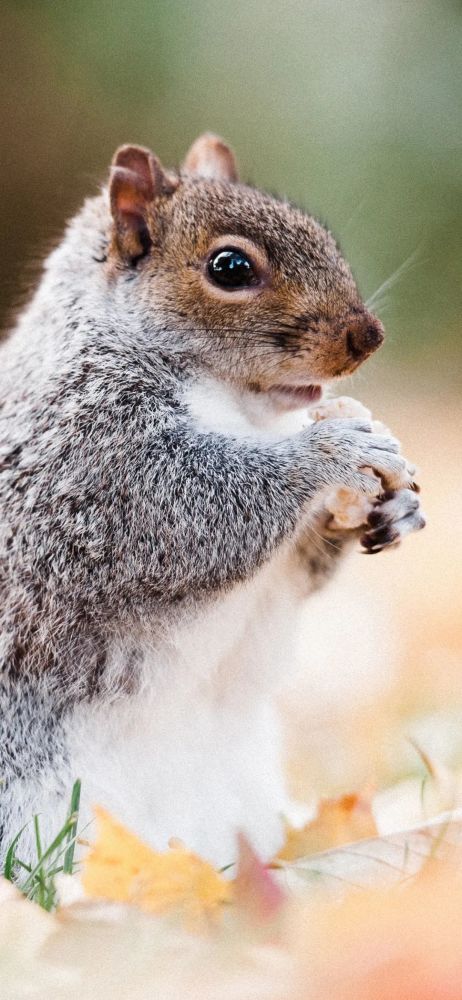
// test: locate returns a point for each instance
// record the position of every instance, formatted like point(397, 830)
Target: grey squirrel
point(161, 499)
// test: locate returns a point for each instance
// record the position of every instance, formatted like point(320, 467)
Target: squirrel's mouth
point(295, 397)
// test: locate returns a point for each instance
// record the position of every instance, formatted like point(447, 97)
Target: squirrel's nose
point(364, 335)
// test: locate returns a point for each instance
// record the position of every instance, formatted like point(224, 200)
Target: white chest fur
point(215, 406)
point(197, 753)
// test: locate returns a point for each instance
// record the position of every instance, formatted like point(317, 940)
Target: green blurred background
point(351, 108)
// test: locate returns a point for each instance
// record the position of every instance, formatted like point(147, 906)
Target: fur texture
point(156, 504)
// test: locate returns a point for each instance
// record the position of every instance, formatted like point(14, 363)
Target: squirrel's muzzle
point(364, 334)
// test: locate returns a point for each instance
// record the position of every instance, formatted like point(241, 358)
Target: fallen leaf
point(122, 868)
point(380, 862)
point(255, 888)
point(339, 821)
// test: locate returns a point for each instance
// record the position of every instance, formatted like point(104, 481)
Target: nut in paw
point(349, 509)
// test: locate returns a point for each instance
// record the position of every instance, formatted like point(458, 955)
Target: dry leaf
point(120, 867)
point(255, 888)
point(339, 821)
point(381, 861)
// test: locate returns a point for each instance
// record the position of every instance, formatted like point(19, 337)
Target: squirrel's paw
point(340, 406)
point(395, 473)
point(393, 516)
point(395, 512)
point(349, 408)
point(371, 462)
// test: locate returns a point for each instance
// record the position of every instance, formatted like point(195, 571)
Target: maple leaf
point(255, 889)
point(339, 821)
point(120, 867)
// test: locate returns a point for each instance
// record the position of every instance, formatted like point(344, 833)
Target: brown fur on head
point(300, 321)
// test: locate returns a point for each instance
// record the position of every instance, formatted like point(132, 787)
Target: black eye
point(231, 269)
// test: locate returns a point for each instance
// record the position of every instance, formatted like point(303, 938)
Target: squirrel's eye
point(231, 269)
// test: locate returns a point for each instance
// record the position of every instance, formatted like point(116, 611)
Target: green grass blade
point(38, 843)
point(22, 864)
point(68, 863)
point(63, 833)
point(41, 877)
point(38, 885)
point(10, 859)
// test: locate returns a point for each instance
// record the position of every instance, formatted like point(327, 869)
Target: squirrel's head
point(257, 290)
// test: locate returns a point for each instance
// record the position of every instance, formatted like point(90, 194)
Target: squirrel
point(162, 516)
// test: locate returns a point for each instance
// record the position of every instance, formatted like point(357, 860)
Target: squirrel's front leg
point(210, 510)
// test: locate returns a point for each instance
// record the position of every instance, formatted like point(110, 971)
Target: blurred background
point(352, 109)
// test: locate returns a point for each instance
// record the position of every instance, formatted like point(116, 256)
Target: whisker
point(293, 337)
point(356, 212)
point(267, 364)
point(406, 266)
point(277, 326)
point(282, 328)
point(323, 540)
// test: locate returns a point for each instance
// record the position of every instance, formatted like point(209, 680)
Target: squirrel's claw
point(396, 514)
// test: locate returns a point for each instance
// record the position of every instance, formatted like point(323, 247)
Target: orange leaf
point(339, 821)
point(122, 868)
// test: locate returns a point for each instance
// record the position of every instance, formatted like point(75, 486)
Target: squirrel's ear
point(136, 180)
point(210, 157)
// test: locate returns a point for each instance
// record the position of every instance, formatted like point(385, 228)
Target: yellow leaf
point(339, 821)
point(122, 868)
